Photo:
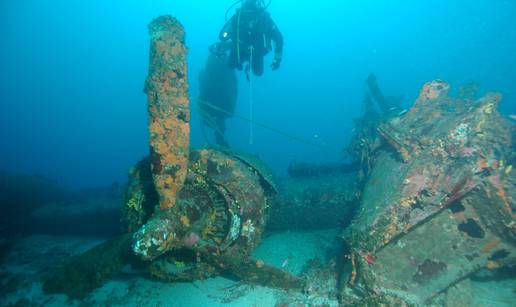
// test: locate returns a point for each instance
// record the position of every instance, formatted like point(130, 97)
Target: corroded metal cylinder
point(220, 216)
point(169, 110)
point(221, 207)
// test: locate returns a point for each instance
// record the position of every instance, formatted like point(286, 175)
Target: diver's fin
point(248, 72)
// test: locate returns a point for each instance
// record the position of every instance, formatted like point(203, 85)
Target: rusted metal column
point(169, 108)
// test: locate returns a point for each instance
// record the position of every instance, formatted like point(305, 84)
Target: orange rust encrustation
point(169, 108)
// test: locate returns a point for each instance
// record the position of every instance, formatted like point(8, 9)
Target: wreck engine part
point(222, 205)
point(168, 106)
point(217, 222)
point(439, 207)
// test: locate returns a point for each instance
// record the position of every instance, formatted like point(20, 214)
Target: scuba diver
point(249, 35)
point(217, 96)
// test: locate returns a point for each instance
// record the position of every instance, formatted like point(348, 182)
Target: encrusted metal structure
point(169, 108)
point(219, 218)
point(212, 204)
point(188, 215)
point(438, 205)
point(221, 204)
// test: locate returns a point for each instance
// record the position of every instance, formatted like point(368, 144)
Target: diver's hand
point(217, 49)
point(276, 63)
point(277, 60)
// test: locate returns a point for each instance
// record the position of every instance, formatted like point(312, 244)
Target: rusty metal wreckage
point(435, 204)
point(438, 204)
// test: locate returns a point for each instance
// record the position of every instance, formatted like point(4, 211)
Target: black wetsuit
point(217, 95)
point(252, 31)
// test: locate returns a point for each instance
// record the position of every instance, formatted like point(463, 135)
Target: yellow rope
point(238, 36)
point(211, 122)
point(251, 117)
point(285, 134)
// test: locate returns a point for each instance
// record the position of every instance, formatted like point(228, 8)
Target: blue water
point(72, 73)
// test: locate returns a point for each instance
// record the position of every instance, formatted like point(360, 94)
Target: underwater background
point(394, 158)
point(72, 74)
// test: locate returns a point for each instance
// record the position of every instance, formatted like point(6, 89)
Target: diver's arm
point(220, 48)
point(277, 38)
point(227, 30)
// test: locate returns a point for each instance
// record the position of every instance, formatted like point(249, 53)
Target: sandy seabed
point(33, 257)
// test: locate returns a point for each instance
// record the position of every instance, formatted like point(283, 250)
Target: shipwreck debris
point(387, 105)
point(91, 269)
point(303, 169)
point(169, 108)
point(218, 220)
point(211, 203)
point(307, 202)
point(221, 204)
point(438, 205)
point(365, 142)
point(188, 215)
